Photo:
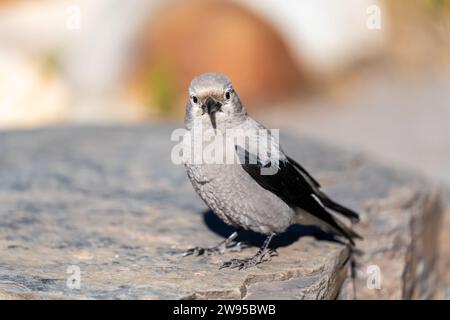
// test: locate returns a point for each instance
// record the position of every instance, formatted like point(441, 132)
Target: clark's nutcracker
point(264, 191)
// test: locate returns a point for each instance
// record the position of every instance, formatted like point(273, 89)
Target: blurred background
point(367, 75)
point(370, 75)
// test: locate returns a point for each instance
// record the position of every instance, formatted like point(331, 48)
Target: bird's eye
point(228, 95)
point(194, 99)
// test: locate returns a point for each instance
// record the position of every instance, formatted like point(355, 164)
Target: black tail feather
point(315, 208)
point(353, 216)
point(345, 231)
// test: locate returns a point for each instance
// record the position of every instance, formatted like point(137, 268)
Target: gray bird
point(241, 193)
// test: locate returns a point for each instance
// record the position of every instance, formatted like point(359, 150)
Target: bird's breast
point(238, 200)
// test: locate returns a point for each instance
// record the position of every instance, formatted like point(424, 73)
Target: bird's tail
point(341, 228)
point(345, 231)
point(320, 216)
point(332, 205)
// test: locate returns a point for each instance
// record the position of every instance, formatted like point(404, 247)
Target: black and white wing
point(295, 186)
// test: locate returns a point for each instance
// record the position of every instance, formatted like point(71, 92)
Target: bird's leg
point(263, 254)
point(220, 248)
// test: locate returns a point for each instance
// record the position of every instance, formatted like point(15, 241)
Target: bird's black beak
point(211, 106)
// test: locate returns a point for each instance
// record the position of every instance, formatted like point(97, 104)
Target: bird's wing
point(269, 151)
point(305, 173)
point(324, 199)
point(295, 186)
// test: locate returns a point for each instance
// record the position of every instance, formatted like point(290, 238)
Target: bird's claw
point(221, 249)
point(198, 251)
point(258, 258)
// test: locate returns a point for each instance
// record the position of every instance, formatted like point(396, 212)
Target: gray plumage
point(239, 193)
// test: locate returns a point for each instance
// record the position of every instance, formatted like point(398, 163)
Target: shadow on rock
point(291, 235)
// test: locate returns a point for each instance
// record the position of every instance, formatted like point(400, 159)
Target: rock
point(109, 203)
point(444, 254)
point(401, 233)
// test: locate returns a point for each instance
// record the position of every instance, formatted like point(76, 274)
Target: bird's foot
point(219, 249)
point(260, 257)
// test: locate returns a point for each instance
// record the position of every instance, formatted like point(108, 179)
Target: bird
point(264, 191)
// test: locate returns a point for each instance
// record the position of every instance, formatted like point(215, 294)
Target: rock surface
point(110, 202)
point(444, 254)
point(401, 233)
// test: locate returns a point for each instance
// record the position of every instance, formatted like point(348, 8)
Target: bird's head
point(213, 102)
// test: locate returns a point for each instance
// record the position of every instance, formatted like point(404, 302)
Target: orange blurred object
point(191, 37)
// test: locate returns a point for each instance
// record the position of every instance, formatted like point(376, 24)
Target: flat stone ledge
point(109, 201)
